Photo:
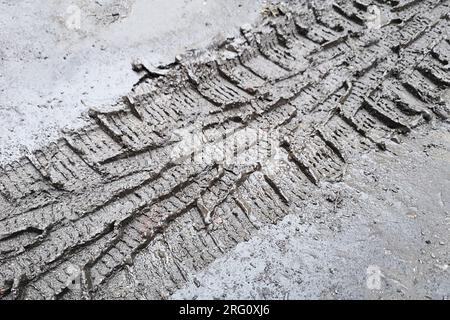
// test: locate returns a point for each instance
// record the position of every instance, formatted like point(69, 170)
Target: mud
point(383, 220)
point(308, 124)
point(52, 71)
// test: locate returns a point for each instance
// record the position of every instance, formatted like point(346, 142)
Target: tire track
point(257, 126)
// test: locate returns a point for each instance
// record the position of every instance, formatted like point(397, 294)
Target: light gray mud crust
point(206, 151)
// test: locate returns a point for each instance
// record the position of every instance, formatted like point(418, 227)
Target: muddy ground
point(61, 58)
point(392, 218)
point(389, 217)
point(380, 232)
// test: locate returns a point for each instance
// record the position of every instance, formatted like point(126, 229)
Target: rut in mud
point(205, 151)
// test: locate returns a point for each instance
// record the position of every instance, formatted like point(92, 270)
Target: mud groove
point(286, 107)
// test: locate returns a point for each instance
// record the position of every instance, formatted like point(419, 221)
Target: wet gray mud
point(63, 57)
point(306, 158)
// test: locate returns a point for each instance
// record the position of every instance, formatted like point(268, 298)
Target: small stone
point(443, 267)
point(412, 215)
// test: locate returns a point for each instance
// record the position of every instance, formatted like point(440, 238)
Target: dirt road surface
point(304, 154)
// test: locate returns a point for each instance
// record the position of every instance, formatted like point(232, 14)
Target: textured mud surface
point(379, 219)
point(59, 59)
point(299, 120)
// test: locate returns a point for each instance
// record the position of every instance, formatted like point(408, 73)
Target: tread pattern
point(319, 85)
